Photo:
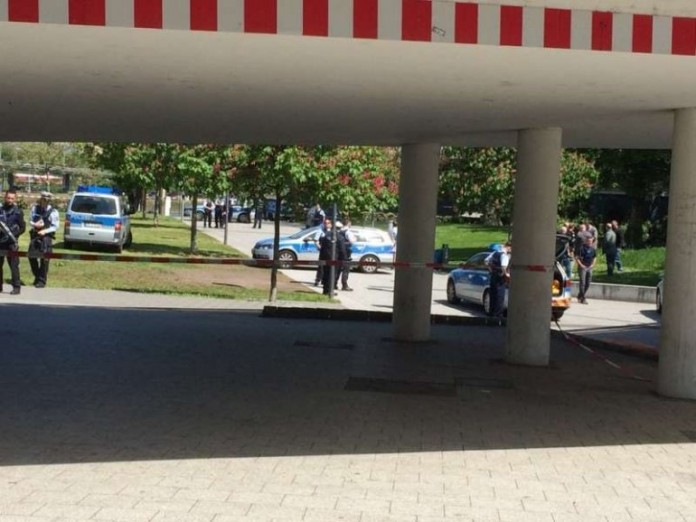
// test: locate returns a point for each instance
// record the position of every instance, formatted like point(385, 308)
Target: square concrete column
point(677, 366)
point(413, 287)
point(533, 245)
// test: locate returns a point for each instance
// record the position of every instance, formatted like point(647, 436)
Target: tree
point(641, 173)
point(483, 181)
point(276, 170)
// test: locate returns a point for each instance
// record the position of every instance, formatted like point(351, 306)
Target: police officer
point(346, 238)
point(44, 223)
point(498, 264)
point(12, 218)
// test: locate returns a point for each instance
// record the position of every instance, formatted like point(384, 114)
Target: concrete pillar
point(416, 241)
point(533, 243)
point(677, 366)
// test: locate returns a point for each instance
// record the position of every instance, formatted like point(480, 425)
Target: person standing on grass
point(12, 218)
point(620, 244)
point(586, 259)
point(259, 207)
point(609, 248)
point(44, 222)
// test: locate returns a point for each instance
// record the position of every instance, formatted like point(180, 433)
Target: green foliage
point(482, 180)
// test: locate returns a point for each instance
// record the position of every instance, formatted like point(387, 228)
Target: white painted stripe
point(489, 25)
point(176, 14)
point(290, 16)
point(389, 20)
point(231, 16)
point(581, 30)
point(53, 11)
point(119, 13)
point(622, 34)
point(662, 34)
point(533, 27)
point(443, 22)
point(4, 10)
point(341, 18)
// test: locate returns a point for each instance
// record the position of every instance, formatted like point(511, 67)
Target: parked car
point(470, 283)
point(241, 214)
point(98, 216)
point(371, 246)
point(658, 295)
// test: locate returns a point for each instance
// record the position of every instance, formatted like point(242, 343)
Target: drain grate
point(690, 434)
point(439, 389)
point(330, 346)
point(476, 382)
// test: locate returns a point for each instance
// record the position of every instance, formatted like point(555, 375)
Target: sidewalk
point(172, 412)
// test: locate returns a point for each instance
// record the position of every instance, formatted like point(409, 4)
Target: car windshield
point(94, 205)
point(302, 233)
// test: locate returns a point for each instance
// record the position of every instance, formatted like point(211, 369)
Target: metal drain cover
point(439, 389)
point(330, 346)
point(477, 382)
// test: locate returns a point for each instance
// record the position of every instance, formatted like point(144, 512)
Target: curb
point(369, 316)
point(632, 349)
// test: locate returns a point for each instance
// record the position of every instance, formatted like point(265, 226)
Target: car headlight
point(263, 247)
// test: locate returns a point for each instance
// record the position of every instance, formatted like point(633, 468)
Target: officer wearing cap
point(44, 223)
point(11, 227)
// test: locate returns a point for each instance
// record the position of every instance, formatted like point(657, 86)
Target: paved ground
point(121, 407)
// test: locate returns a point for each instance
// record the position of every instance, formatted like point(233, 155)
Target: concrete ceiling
point(68, 83)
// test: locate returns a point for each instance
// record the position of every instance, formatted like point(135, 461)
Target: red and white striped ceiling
point(407, 20)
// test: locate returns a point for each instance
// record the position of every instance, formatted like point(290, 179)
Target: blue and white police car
point(372, 245)
point(98, 216)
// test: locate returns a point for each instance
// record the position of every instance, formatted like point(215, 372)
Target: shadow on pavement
point(94, 384)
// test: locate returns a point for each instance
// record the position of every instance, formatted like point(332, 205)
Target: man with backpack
point(498, 263)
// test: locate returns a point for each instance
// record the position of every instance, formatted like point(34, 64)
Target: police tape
point(627, 372)
point(532, 268)
point(285, 263)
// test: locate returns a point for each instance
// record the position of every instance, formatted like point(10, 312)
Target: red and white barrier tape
point(214, 260)
point(532, 268)
point(627, 372)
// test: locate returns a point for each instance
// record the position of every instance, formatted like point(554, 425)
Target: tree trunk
point(276, 240)
point(634, 231)
point(143, 201)
point(194, 223)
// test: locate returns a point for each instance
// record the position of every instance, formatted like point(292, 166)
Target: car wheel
point(369, 269)
point(199, 216)
point(118, 249)
point(451, 292)
point(487, 301)
point(129, 240)
point(243, 218)
point(557, 314)
point(286, 258)
point(658, 301)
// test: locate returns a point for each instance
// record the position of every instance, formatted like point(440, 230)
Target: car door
point(476, 277)
point(306, 246)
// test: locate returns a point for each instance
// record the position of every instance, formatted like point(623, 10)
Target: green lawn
point(170, 238)
point(640, 267)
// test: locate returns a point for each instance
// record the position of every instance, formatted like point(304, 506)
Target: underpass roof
point(74, 83)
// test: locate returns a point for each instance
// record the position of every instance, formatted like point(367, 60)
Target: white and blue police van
point(98, 216)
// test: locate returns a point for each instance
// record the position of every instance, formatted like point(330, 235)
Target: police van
point(98, 216)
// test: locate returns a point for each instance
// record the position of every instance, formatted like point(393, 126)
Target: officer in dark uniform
point(326, 243)
point(44, 222)
point(13, 226)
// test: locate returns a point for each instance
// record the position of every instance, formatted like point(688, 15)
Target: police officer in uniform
point(44, 223)
point(13, 226)
point(498, 264)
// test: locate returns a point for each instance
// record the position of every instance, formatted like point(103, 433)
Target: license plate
point(93, 225)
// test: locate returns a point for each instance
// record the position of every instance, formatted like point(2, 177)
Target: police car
point(470, 283)
point(98, 216)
